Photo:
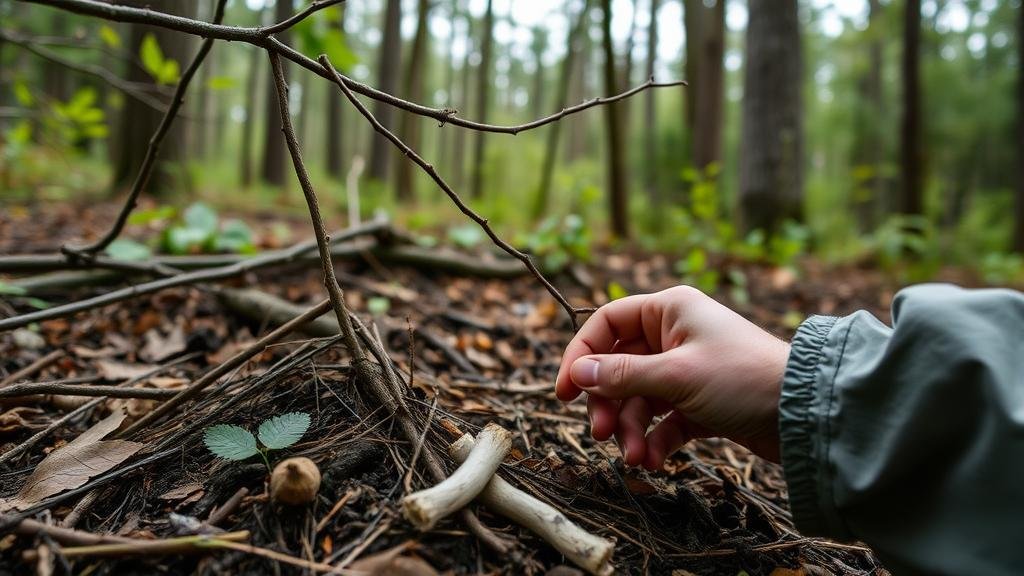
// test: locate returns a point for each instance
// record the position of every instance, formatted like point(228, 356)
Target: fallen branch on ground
point(137, 547)
point(426, 507)
point(586, 550)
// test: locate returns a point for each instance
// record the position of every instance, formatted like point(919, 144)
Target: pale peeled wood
point(426, 507)
point(586, 550)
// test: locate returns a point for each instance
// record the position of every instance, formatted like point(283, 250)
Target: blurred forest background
point(874, 131)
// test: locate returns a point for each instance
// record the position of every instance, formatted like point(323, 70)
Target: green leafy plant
point(558, 242)
point(236, 443)
point(164, 70)
point(200, 230)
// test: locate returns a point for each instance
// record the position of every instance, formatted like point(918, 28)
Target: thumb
point(619, 376)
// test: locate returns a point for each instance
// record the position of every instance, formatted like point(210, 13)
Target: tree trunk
point(273, 144)
point(691, 23)
point(710, 87)
point(771, 157)
point(580, 123)
point(910, 132)
point(139, 121)
point(543, 197)
point(335, 106)
point(651, 111)
point(1018, 222)
point(459, 154)
point(388, 70)
point(483, 97)
point(540, 44)
point(617, 200)
point(444, 135)
point(869, 185)
point(413, 91)
point(252, 85)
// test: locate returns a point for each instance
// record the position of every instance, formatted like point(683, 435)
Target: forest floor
point(483, 350)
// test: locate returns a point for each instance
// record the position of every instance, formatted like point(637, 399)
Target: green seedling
point(236, 443)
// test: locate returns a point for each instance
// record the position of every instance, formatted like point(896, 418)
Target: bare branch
point(228, 365)
point(132, 89)
point(322, 240)
point(196, 277)
point(37, 388)
point(259, 37)
point(429, 169)
point(299, 16)
point(146, 169)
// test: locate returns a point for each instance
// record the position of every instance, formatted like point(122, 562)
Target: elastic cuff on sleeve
point(801, 413)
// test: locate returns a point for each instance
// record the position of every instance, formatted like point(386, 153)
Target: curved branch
point(196, 277)
point(259, 37)
point(149, 161)
point(130, 88)
point(429, 169)
point(299, 16)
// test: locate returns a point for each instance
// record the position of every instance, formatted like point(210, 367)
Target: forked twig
point(149, 161)
point(429, 169)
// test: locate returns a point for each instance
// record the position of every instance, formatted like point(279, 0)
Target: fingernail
point(584, 372)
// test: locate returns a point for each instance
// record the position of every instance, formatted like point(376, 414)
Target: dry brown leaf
point(74, 464)
point(159, 347)
point(482, 359)
point(111, 370)
point(12, 420)
point(90, 353)
point(391, 563)
point(181, 492)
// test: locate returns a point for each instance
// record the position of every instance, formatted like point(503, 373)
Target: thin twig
point(259, 37)
point(323, 241)
point(138, 547)
point(228, 365)
point(132, 89)
point(32, 368)
point(146, 169)
point(429, 169)
point(35, 438)
point(299, 16)
point(37, 388)
point(221, 514)
point(196, 277)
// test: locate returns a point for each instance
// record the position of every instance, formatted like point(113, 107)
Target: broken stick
point(586, 550)
point(426, 507)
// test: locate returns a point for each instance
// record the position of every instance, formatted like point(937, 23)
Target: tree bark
point(483, 97)
point(911, 158)
point(459, 153)
point(388, 69)
point(335, 118)
point(273, 144)
point(710, 87)
point(543, 196)
point(579, 125)
point(413, 91)
point(139, 121)
point(771, 156)
point(651, 111)
point(691, 24)
point(252, 84)
point(540, 44)
point(617, 199)
point(1018, 222)
point(869, 187)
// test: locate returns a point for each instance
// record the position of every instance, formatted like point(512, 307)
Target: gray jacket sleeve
point(911, 438)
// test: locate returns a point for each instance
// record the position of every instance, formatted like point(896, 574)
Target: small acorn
point(295, 481)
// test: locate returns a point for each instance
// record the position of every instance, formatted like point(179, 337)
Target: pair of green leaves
point(164, 70)
point(236, 443)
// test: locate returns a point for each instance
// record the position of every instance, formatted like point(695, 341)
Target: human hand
point(681, 353)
